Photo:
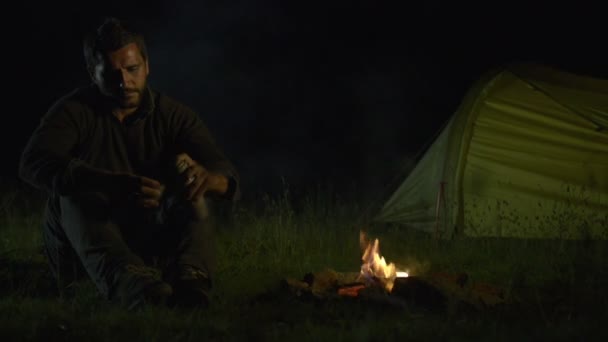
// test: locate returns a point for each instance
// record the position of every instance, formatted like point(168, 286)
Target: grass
point(558, 288)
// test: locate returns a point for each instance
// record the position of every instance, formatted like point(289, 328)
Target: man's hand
point(197, 179)
point(142, 191)
point(148, 193)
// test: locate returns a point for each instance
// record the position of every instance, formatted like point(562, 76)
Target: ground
point(555, 289)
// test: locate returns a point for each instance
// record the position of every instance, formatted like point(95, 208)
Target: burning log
point(324, 284)
point(381, 280)
point(432, 291)
point(480, 295)
point(418, 292)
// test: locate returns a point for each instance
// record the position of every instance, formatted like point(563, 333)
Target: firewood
point(432, 291)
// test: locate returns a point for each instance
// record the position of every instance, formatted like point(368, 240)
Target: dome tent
point(525, 155)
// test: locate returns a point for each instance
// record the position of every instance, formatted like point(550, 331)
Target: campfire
point(382, 281)
point(374, 268)
point(375, 275)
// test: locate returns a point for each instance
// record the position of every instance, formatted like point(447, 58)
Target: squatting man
point(128, 172)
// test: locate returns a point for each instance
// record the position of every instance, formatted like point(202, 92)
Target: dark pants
point(88, 235)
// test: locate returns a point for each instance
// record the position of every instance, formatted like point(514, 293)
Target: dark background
point(340, 93)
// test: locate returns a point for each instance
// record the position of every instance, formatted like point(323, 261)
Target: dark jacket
point(79, 133)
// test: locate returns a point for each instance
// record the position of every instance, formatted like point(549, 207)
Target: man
point(128, 171)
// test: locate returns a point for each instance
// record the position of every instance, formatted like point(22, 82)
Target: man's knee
point(199, 209)
point(92, 205)
point(176, 209)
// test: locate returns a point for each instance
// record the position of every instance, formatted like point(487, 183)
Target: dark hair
point(111, 36)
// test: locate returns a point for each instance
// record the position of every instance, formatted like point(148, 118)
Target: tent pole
point(440, 200)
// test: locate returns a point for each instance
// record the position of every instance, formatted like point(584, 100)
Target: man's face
point(122, 75)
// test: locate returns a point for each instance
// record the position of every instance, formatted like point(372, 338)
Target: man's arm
point(197, 180)
point(48, 161)
point(194, 139)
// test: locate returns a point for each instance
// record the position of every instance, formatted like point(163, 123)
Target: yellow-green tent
point(525, 155)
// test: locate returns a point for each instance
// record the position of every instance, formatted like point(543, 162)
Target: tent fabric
point(525, 155)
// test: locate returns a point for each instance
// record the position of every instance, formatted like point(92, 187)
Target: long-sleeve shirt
point(79, 133)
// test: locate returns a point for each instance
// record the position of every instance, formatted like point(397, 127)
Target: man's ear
point(91, 71)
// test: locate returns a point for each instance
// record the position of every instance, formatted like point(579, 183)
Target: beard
point(129, 98)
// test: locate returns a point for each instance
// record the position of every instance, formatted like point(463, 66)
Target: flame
point(374, 265)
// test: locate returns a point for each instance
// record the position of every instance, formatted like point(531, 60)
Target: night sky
point(343, 93)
